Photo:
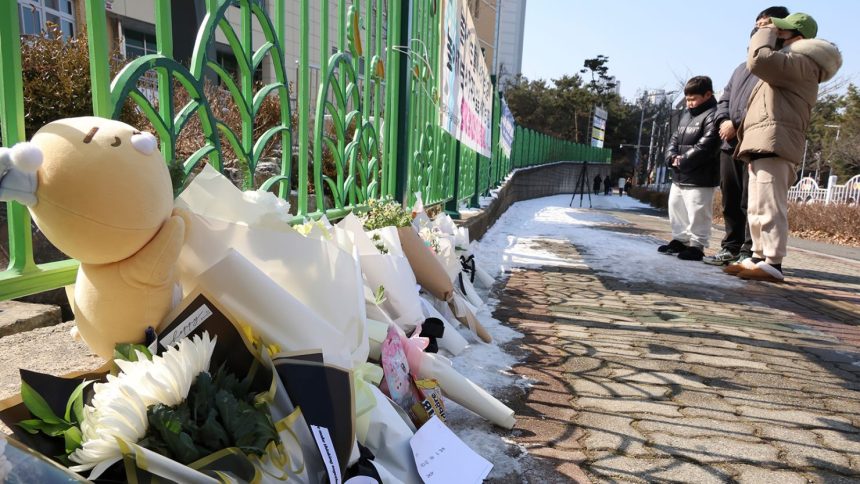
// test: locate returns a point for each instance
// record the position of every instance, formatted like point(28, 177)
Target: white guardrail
point(808, 191)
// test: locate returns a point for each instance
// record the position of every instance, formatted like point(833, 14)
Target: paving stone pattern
point(638, 383)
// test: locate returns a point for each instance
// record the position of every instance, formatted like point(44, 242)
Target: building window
point(139, 43)
point(227, 61)
point(34, 16)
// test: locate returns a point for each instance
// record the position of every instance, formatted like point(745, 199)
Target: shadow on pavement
point(635, 382)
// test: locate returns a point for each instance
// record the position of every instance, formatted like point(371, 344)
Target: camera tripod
point(582, 186)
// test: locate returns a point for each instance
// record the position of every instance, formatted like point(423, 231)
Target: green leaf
point(35, 426)
point(37, 405)
point(32, 426)
point(250, 429)
point(75, 405)
point(72, 437)
point(201, 396)
point(128, 352)
point(380, 295)
point(213, 433)
point(167, 424)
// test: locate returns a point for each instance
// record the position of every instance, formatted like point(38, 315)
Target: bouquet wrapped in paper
point(285, 278)
point(433, 277)
point(460, 267)
point(429, 366)
point(389, 270)
point(200, 404)
point(240, 248)
point(464, 250)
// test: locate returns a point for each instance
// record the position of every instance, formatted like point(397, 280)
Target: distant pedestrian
point(607, 186)
point(693, 155)
point(596, 185)
point(621, 182)
point(628, 184)
point(734, 175)
point(791, 63)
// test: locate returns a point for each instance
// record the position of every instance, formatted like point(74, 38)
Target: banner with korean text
point(506, 129)
point(465, 90)
point(598, 129)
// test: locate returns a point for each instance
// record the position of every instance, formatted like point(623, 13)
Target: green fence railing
point(373, 131)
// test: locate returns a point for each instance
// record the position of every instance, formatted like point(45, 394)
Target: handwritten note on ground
point(442, 457)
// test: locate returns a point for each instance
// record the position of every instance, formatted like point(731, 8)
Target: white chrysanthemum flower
point(118, 408)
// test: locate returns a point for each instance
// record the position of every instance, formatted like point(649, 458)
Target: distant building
point(508, 60)
point(485, 16)
point(617, 85)
point(131, 29)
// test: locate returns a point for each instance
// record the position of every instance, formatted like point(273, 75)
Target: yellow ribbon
point(364, 375)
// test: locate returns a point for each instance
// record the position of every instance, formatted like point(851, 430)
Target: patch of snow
point(598, 235)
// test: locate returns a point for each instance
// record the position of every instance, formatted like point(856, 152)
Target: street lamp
point(642, 120)
point(838, 129)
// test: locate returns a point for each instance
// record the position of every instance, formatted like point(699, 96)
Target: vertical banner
point(598, 130)
point(465, 90)
point(506, 129)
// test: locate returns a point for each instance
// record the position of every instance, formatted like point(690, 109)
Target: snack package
point(431, 401)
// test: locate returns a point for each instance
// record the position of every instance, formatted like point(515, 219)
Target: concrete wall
point(535, 182)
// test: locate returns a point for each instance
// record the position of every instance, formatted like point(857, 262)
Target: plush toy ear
point(27, 157)
point(144, 142)
point(18, 166)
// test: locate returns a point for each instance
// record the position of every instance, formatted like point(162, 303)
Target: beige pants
point(767, 211)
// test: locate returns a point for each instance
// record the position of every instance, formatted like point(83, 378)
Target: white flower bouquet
point(390, 270)
point(298, 273)
point(467, 270)
point(199, 410)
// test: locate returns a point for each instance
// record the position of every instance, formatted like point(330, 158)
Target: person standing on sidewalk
point(607, 185)
point(595, 186)
point(621, 182)
point(692, 154)
point(734, 178)
point(790, 63)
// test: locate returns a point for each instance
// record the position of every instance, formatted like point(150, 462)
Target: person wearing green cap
point(790, 63)
point(734, 180)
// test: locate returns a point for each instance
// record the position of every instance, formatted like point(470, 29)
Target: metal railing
point(356, 137)
point(807, 190)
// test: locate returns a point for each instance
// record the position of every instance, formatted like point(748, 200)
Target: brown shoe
point(736, 268)
point(763, 272)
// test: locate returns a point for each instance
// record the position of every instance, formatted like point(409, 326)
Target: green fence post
point(22, 276)
point(98, 47)
point(452, 206)
point(12, 129)
point(400, 137)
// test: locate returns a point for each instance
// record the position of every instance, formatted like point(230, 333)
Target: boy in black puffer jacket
point(693, 154)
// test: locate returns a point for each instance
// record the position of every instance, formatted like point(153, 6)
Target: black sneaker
point(672, 248)
point(691, 253)
point(722, 257)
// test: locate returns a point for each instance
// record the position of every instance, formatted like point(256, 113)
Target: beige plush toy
point(104, 197)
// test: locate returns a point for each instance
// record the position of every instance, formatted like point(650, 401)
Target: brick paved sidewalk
point(637, 382)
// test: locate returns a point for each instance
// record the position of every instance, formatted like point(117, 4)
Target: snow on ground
point(514, 242)
point(599, 236)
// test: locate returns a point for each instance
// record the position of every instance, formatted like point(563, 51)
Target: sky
point(659, 44)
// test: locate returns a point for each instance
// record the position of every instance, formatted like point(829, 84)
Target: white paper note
point(326, 447)
point(441, 457)
point(190, 324)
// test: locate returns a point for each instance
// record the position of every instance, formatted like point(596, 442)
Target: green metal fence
point(373, 132)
